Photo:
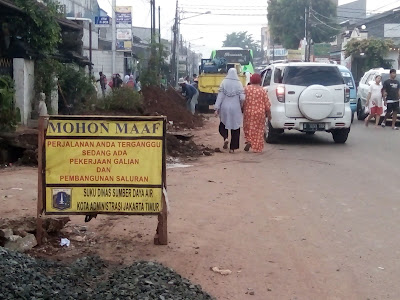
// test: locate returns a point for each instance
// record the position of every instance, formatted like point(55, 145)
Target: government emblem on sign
point(61, 199)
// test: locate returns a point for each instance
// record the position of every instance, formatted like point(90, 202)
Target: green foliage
point(40, 29)
point(286, 21)
point(322, 49)
point(123, 100)
point(76, 86)
point(8, 113)
point(374, 52)
point(244, 40)
point(152, 74)
point(46, 71)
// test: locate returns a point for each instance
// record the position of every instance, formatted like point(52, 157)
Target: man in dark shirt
point(103, 82)
point(191, 94)
point(391, 96)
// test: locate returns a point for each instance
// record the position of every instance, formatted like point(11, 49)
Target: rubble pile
point(24, 277)
point(170, 104)
point(177, 147)
point(18, 234)
point(19, 146)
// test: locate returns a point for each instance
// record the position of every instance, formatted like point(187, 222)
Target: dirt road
point(306, 219)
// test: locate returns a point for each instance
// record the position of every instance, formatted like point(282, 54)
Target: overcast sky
point(226, 16)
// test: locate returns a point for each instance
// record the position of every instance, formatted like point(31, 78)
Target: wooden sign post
point(91, 165)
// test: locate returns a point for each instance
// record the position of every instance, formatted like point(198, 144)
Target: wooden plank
point(161, 237)
point(40, 198)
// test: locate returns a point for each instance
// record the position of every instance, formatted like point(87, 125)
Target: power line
point(227, 9)
point(333, 18)
point(217, 24)
point(233, 14)
point(222, 6)
point(322, 22)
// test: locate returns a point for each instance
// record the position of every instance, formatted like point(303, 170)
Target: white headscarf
point(231, 85)
point(126, 79)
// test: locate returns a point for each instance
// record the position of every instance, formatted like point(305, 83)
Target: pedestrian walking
point(138, 85)
point(256, 108)
point(229, 109)
point(374, 101)
point(196, 83)
point(117, 81)
point(131, 82)
point(103, 83)
point(126, 79)
point(191, 94)
point(391, 94)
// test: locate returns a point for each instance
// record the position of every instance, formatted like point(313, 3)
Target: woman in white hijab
point(126, 79)
point(229, 108)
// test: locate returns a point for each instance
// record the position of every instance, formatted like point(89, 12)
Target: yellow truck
point(210, 77)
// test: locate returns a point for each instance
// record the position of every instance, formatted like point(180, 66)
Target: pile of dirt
point(171, 104)
point(185, 148)
point(24, 277)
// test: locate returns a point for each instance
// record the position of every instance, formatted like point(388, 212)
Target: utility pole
point(159, 39)
point(174, 46)
point(159, 25)
point(178, 48)
point(306, 32)
point(151, 22)
point(114, 39)
point(273, 50)
point(309, 33)
point(154, 19)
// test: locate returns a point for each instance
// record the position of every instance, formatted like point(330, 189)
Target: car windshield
point(347, 79)
point(309, 75)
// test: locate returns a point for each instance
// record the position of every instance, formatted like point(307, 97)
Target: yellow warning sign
point(104, 164)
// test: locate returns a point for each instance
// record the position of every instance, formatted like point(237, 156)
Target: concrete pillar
point(24, 87)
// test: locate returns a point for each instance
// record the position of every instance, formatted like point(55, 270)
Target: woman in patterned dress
point(256, 108)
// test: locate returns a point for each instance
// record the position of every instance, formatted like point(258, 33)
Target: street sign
point(124, 34)
point(124, 45)
point(123, 16)
point(103, 165)
point(102, 21)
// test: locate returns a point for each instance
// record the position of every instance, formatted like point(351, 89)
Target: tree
point(40, 29)
point(151, 75)
point(287, 24)
point(373, 51)
point(243, 40)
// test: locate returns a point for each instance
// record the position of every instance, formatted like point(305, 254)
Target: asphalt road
point(343, 211)
point(307, 219)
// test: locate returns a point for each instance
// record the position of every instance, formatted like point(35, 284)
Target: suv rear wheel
point(340, 135)
point(271, 134)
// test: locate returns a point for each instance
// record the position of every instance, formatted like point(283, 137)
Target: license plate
point(313, 126)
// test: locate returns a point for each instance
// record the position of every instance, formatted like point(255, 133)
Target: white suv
point(308, 97)
point(363, 89)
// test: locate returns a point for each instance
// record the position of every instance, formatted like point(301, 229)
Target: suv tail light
point(280, 93)
point(346, 94)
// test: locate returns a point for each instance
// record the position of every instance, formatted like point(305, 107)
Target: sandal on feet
point(247, 147)
point(225, 144)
